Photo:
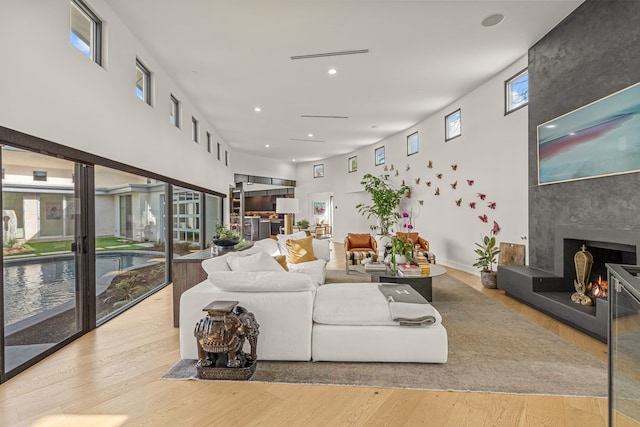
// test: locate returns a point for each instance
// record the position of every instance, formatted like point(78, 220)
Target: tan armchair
point(358, 247)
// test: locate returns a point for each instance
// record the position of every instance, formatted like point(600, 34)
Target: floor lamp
point(288, 207)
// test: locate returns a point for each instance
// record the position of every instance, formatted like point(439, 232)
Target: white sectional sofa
point(302, 319)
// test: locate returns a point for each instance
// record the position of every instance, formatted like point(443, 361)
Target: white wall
point(50, 90)
point(492, 152)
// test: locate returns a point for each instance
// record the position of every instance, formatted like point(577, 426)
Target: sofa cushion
point(261, 261)
point(355, 304)
point(261, 281)
point(218, 263)
point(301, 250)
point(269, 246)
point(314, 269)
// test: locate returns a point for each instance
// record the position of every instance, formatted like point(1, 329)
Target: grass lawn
point(39, 248)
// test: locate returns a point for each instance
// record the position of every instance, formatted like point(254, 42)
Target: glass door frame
point(84, 242)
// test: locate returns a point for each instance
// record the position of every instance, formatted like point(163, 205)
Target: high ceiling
point(231, 56)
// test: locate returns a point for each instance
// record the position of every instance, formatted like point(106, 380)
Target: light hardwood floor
point(111, 377)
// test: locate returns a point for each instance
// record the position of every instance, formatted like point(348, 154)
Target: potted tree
point(487, 252)
point(384, 201)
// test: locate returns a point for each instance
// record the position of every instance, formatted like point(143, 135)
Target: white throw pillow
point(261, 261)
point(261, 281)
point(269, 246)
point(218, 263)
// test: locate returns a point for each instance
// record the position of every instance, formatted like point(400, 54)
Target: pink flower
point(405, 215)
point(410, 227)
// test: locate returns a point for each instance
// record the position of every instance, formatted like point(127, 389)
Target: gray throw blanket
point(407, 306)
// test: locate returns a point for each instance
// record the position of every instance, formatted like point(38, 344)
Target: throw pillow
point(359, 240)
point(256, 262)
point(301, 250)
point(282, 260)
point(282, 241)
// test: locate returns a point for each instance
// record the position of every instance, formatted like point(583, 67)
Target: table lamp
point(288, 207)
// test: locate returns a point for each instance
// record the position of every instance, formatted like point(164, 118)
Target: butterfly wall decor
point(495, 229)
point(407, 167)
point(454, 167)
point(459, 201)
point(421, 202)
point(437, 193)
point(439, 176)
point(418, 180)
point(483, 218)
point(472, 205)
point(428, 183)
point(492, 205)
point(482, 196)
point(454, 185)
point(470, 182)
point(430, 164)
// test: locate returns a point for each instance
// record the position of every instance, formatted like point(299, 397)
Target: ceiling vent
point(323, 117)
point(337, 53)
point(305, 140)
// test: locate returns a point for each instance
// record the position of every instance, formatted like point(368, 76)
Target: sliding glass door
point(40, 286)
point(130, 244)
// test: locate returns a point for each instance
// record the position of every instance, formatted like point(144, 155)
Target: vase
point(489, 279)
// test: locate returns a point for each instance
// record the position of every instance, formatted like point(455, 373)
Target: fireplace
point(550, 292)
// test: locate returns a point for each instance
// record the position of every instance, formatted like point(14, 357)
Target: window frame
point(219, 149)
point(208, 142)
point(95, 48)
point(195, 124)
point(447, 136)
point(508, 93)
point(146, 81)
point(174, 111)
point(41, 176)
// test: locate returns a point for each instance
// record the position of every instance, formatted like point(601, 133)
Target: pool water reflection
point(34, 286)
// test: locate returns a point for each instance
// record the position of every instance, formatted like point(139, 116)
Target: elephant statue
point(222, 333)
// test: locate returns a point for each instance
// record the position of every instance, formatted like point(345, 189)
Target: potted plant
point(487, 252)
point(385, 198)
point(303, 223)
point(401, 251)
point(225, 236)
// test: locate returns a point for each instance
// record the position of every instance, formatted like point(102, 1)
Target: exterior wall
point(50, 90)
point(492, 151)
point(105, 226)
point(591, 54)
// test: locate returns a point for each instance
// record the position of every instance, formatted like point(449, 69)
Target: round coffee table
point(422, 284)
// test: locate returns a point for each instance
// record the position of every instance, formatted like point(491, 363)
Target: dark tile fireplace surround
point(550, 292)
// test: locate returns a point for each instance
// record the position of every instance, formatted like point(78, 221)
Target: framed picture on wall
point(353, 164)
point(379, 155)
point(319, 208)
point(412, 144)
point(599, 139)
point(318, 171)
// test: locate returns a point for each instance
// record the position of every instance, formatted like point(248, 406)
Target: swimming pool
point(32, 286)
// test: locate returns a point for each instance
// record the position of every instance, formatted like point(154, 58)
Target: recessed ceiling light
point(493, 19)
point(293, 160)
point(266, 145)
point(332, 71)
point(310, 135)
point(257, 109)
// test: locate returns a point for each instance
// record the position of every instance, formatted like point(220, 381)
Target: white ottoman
point(352, 324)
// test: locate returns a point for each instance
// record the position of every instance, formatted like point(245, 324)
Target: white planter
point(381, 240)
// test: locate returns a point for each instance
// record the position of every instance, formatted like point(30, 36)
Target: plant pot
point(226, 241)
point(489, 279)
point(381, 241)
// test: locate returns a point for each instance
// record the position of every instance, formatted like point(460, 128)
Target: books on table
point(375, 266)
point(409, 270)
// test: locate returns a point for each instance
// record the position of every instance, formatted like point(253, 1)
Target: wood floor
point(111, 377)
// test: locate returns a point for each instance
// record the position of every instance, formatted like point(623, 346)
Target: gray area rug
point(491, 349)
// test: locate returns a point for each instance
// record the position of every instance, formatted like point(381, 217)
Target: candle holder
point(583, 261)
